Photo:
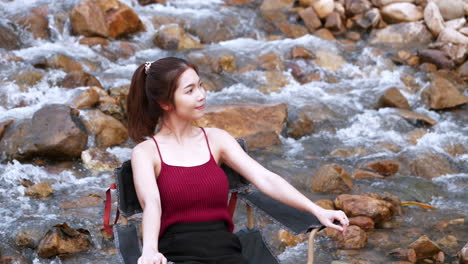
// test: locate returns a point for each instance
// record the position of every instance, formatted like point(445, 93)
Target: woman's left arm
point(272, 184)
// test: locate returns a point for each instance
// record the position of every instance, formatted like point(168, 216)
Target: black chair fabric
point(127, 242)
point(254, 247)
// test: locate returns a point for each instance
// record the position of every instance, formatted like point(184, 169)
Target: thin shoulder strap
point(157, 147)
point(207, 142)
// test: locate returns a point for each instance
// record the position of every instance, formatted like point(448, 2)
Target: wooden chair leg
point(310, 253)
point(250, 218)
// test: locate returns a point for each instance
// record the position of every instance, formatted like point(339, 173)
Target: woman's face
point(190, 95)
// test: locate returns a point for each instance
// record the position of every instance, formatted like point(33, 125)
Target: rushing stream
point(356, 126)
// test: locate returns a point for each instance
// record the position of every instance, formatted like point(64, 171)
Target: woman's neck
point(179, 130)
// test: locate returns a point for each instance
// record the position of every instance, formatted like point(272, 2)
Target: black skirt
point(201, 243)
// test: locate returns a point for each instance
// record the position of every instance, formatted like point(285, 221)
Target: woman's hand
point(152, 258)
point(327, 217)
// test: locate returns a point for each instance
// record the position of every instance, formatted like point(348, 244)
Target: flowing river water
point(356, 125)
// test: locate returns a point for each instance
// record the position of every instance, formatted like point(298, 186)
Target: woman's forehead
point(188, 77)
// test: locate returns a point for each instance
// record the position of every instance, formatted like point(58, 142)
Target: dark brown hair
point(150, 88)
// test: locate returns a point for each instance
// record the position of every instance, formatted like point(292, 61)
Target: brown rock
point(365, 174)
point(99, 160)
point(86, 99)
point(384, 167)
point(424, 247)
point(271, 61)
point(300, 127)
point(451, 9)
point(371, 18)
point(415, 116)
point(437, 57)
point(310, 18)
point(92, 200)
point(246, 120)
point(331, 178)
point(149, 2)
point(274, 10)
point(36, 22)
point(112, 109)
point(430, 165)
point(346, 153)
point(364, 222)
point(289, 239)
point(360, 205)
point(292, 30)
point(105, 18)
point(455, 149)
point(401, 12)
point(414, 135)
point(456, 23)
point(108, 130)
point(381, 3)
point(40, 190)
point(324, 33)
point(228, 63)
point(450, 35)
point(433, 18)
point(354, 7)
point(13, 260)
point(334, 24)
point(456, 52)
point(63, 62)
point(463, 254)
point(79, 78)
point(326, 204)
point(93, 41)
point(54, 131)
point(393, 98)
point(329, 60)
point(173, 37)
point(404, 254)
point(3, 127)
point(9, 40)
point(427, 67)
point(301, 52)
point(28, 238)
point(442, 93)
point(323, 7)
point(63, 239)
point(354, 237)
point(353, 35)
point(402, 34)
point(29, 78)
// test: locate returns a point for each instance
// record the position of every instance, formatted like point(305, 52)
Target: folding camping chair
point(254, 248)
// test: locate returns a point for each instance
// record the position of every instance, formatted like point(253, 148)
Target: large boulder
point(79, 78)
point(430, 165)
point(54, 131)
point(105, 18)
point(443, 93)
point(99, 160)
point(401, 12)
point(63, 239)
point(362, 205)
point(433, 18)
point(174, 37)
point(331, 178)
point(107, 130)
point(259, 124)
point(354, 238)
point(402, 34)
point(451, 9)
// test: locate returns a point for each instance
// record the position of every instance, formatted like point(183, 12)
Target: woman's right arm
point(148, 196)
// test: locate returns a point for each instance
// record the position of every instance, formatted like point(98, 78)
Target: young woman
point(181, 188)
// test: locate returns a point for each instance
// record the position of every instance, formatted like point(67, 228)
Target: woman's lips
point(200, 107)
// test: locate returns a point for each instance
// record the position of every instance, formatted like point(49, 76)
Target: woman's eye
point(190, 91)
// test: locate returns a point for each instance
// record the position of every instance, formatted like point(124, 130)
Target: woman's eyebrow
point(192, 84)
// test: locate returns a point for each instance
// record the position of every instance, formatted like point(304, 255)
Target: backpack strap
point(107, 210)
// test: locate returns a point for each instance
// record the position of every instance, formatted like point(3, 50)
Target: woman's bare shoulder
point(217, 133)
point(143, 149)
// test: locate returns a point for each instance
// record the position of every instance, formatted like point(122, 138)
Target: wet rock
point(364, 222)
point(409, 115)
point(384, 167)
point(63, 62)
point(28, 238)
point(262, 139)
point(331, 178)
point(290, 240)
point(54, 131)
point(430, 165)
point(448, 243)
point(99, 160)
point(300, 127)
point(292, 30)
point(36, 22)
point(275, 10)
point(63, 239)
point(402, 34)
point(149, 2)
point(463, 70)
point(442, 93)
point(437, 57)
point(427, 67)
point(228, 63)
point(329, 60)
point(393, 98)
point(325, 204)
point(79, 78)
point(310, 18)
point(396, 208)
point(173, 37)
point(9, 40)
point(348, 152)
point(433, 18)
point(107, 130)
point(92, 200)
point(463, 254)
point(334, 23)
point(112, 109)
point(40, 190)
point(354, 237)
point(451, 9)
point(3, 127)
point(424, 247)
point(414, 135)
point(86, 99)
point(404, 254)
point(301, 52)
point(270, 61)
point(323, 7)
point(119, 94)
point(361, 205)
point(13, 260)
point(94, 41)
point(103, 96)
point(450, 35)
point(105, 18)
point(28, 78)
point(216, 29)
point(456, 52)
point(237, 2)
point(247, 120)
point(324, 33)
point(401, 12)
point(371, 18)
point(365, 174)
point(354, 7)
point(275, 80)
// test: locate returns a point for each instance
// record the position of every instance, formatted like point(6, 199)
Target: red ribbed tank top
point(193, 194)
